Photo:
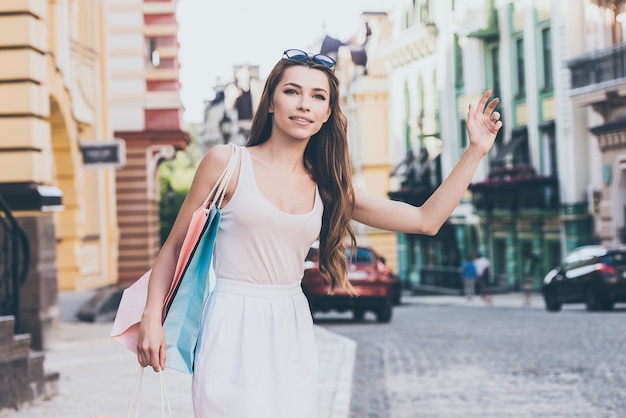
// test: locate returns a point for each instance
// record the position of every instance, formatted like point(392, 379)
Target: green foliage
point(175, 179)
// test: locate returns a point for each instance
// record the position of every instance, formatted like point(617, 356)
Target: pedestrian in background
point(468, 271)
point(483, 274)
point(257, 356)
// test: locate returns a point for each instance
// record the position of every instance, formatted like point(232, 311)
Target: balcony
point(417, 177)
point(597, 74)
point(516, 189)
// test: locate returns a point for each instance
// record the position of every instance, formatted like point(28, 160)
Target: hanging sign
point(103, 153)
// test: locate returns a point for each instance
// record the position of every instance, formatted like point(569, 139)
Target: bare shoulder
point(209, 170)
point(216, 158)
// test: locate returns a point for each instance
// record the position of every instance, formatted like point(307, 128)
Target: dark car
point(377, 287)
point(593, 274)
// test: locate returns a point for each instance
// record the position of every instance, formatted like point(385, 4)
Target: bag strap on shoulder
point(218, 192)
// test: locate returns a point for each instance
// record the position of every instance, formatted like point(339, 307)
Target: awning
point(615, 125)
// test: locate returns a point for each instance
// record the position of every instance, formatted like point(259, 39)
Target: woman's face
point(301, 103)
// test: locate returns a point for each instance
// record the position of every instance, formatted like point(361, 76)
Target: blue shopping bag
point(184, 312)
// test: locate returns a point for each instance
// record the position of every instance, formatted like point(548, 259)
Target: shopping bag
point(133, 302)
point(184, 309)
point(198, 243)
point(128, 316)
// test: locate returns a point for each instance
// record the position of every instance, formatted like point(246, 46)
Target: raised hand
point(483, 123)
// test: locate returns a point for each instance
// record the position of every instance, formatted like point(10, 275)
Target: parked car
point(377, 287)
point(592, 274)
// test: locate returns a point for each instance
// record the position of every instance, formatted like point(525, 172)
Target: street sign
point(103, 153)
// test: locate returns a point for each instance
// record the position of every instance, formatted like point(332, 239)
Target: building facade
point(416, 55)
point(146, 112)
point(517, 211)
point(228, 115)
point(364, 85)
point(529, 216)
point(597, 89)
point(53, 100)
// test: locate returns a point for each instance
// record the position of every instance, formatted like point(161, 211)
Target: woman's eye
point(291, 91)
point(320, 97)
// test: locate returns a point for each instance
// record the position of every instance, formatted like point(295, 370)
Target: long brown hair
point(327, 159)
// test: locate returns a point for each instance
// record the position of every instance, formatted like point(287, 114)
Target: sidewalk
point(97, 375)
point(500, 300)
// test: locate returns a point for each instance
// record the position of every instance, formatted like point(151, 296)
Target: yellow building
point(53, 98)
point(365, 100)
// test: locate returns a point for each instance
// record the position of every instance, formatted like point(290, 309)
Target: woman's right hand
point(151, 343)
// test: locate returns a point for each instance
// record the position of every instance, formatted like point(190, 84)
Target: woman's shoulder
point(217, 156)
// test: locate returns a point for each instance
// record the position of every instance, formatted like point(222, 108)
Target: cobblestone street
point(481, 361)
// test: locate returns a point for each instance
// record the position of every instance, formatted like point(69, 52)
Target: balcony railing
point(514, 189)
point(14, 261)
point(418, 178)
point(600, 67)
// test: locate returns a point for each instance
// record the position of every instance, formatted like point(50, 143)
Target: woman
point(257, 355)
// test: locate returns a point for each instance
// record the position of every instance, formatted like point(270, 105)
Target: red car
point(377, 287)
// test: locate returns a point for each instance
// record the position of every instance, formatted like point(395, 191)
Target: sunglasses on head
point(299, 55)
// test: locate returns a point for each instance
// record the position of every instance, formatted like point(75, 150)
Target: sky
point(216, 35)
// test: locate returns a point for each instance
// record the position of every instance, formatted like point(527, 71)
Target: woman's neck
point(286, 154)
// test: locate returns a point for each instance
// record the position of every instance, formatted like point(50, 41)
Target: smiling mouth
point(299, 119)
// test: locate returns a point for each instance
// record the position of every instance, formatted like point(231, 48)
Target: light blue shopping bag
point(184, 312)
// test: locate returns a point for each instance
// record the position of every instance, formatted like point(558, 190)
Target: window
point(463, 134)
point(571, 261)
point(499, 260)
point(420, 109)
point(619, 26)
point(495, 69)
point(521, 153)
point(458, 58)
point(521, 76)
point(425, 11)
point(153, 54)
point(616, 259)
point(362, 256)
point(546, 40)
point(550, 166)
point(554, 252)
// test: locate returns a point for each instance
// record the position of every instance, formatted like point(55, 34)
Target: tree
point(175, 177)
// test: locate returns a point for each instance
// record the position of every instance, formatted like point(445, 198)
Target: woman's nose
point(303, 104)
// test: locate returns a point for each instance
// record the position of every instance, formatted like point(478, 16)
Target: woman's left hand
point(483, 123)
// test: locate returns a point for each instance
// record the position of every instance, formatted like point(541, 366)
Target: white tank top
point(258, 243)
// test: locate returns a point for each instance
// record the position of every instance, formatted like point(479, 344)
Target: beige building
point(53, 98)
point(365, 100)
point(89, 106)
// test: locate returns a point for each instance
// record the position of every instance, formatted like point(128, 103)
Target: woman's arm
point(483, 123)
point(151, 341)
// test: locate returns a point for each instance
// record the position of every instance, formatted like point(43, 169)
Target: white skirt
point(257, 356)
